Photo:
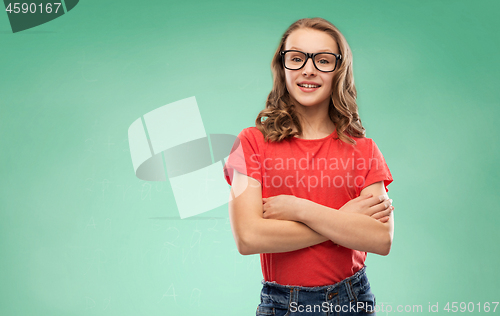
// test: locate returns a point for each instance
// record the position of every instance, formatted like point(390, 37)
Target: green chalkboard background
point(80, 234)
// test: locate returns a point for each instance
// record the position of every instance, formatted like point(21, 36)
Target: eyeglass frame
point(310, 55)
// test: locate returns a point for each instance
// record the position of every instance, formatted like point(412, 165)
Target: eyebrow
point(324, 50)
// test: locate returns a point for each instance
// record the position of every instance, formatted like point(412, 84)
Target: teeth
point(308, 85)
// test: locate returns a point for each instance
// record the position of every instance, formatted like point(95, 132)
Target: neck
point(315, 121)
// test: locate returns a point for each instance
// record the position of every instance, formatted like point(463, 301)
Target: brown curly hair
point(279, 119)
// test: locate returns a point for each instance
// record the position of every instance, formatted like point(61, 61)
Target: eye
point(296, 59)
point(323, 61)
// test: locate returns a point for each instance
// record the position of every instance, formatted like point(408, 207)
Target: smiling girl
point(309, 190)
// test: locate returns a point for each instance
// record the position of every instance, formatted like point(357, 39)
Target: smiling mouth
point(305, 85)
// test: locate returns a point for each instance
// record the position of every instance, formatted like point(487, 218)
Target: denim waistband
point(347, 288)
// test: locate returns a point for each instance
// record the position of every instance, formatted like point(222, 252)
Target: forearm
point(351, 230)
point(259, 235)
point(270, 236)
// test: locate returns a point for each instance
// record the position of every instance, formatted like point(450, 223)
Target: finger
point(264, 213)
point(383, 213)
point(268, 199)
point(371, 200)
point(380, 207)
point(364, 200)
point(383, 197)
point(363, 197)
point(384, 219)
point(380, 210)
point(379, 199)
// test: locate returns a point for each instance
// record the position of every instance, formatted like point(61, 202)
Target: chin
point(309, 102)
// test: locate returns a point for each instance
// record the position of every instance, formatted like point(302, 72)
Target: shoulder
point(361, 142)
point(364, 146)
point(252, 134)
point(367, 146)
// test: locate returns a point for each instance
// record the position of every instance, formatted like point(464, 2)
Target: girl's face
point(310, 41)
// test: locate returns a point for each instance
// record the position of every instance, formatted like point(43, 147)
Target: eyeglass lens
point(323, 62)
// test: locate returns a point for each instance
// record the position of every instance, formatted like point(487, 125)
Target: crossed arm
point(289, 223)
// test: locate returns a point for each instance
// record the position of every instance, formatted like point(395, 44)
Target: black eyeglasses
point(324, 62)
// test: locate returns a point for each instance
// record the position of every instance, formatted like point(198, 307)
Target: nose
point(309, 68)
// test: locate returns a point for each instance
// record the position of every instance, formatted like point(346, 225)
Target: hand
point(282, 207)
point(379, 207)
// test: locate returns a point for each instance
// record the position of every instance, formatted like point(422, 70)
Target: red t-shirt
point(327, 171)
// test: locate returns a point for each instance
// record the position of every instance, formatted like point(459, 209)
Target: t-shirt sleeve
point(244, 157)
point(377, 169)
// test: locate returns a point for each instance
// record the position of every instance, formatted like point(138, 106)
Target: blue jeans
point(351, 296)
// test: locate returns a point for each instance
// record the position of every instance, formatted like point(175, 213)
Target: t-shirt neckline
point(316, 139)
